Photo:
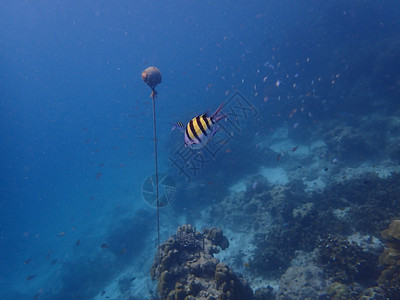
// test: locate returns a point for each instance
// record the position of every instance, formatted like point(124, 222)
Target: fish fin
point(214, 131)
point(177, 125)
point(205, 114)
point(216, 115)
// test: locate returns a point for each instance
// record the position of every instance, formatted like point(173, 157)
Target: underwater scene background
point(295, 197)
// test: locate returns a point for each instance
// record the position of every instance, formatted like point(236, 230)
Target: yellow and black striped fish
point(200, 129)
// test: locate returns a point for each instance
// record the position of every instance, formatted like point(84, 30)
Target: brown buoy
point(152, 76)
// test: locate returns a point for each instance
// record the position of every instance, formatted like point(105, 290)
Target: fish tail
point(216, 115)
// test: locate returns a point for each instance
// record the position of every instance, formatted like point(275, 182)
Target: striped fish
point(200, 129)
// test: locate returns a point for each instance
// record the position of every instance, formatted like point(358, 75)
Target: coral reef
point(341, 291)
point(391, 255)
point(370, 200)
point(264, 294)
point(389, 279)
point(283, 220)
point(346, 262)
point(373, 293)
point(348, 143)
point(186, 268)
point(290, 231)
point(391, 287)
point(303, 279)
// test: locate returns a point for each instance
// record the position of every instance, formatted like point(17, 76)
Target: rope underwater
point(156, 165)
point(152, 76)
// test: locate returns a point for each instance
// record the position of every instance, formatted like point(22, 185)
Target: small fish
point(30, 277)
point(103, 292)
point(200, 129)
point(78, 242)
point(295, 148)
point(247, 265)
point(104, 246)
point(27, 261)
point(61, 234)
point(54, 261)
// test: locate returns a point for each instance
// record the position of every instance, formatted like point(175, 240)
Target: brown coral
point(186, 268)
point(392, 234)
point(391, 255)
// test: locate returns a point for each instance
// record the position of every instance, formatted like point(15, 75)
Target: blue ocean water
point(77, 127)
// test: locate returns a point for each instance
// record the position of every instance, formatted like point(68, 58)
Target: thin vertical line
point(156, 164)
